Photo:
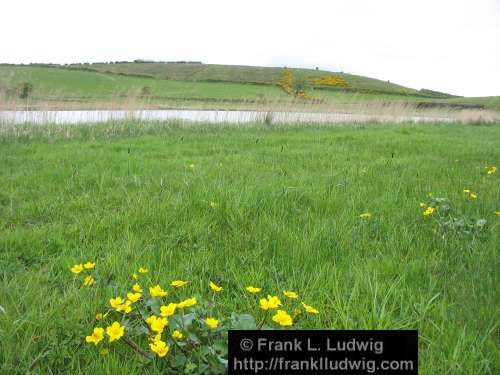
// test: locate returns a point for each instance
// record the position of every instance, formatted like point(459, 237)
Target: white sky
point(445, 45)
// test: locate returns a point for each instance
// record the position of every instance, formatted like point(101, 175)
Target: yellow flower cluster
point(281, 316)
point(88, 280)
point(290, 294)
point(271, 302)
point(365, 216)
point(429, 211)
point(253, 290)
point(491, 170)
point(178, 283)
point(286, 81)
point(215, 287)
point(157, 291)
point(124, 306)
point(470, 193)
point(115, 332)
point(330, 80)
point(159, 347)
point(212, 323)
point(156, 324)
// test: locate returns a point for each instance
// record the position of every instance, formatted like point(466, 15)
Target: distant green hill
point(176, 85)
point(240, 74)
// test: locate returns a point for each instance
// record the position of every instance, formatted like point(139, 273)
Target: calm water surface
point(206, 116)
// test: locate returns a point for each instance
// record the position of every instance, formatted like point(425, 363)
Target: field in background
point(237, 73)
point(286, 212)
point(149, 85)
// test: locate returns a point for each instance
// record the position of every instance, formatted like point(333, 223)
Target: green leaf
point(179, 361)
point(243, 321)
point(154, 305)
point(181, 321)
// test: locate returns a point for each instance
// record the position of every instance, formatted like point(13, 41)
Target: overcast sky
point(445, 45)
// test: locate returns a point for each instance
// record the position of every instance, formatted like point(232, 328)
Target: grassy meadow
point(272, 206)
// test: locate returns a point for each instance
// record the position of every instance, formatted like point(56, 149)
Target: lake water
point(206, 116)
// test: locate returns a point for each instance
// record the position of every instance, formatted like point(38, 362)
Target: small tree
point(146, 91)
point(300, 86)
point(26, 90)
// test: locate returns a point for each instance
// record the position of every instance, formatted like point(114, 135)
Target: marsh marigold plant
point(179, 331)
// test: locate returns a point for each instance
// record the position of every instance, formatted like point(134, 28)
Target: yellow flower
point(104, 351)
point(473, 196)
point(215, 287)
point(310, 309)
point(213, 204)
point(115, 331)
point(429, 211)
point(99, 316)
point(212, 323)
point(135, 276)
point(96, 336)
point(252, 289)
point(88, 281)
point(89, 265)
point(156, 337)
point(134, 297)
point(271, 302)
point(497, 213)
point(423, 205)
point(120, 305)
point(77, 268)
point(429, 195)
point(137, 288)
point(177, 335)
point(282, 318)
point(159, 347)
point(187, 303)
point(178, 283)
point(157, 324)
point(290, 294)
point(365, 216)
point(492, 170)
point(115, 302)
point(143, 270)
point(157, 291)
point(125, 307)
point(168, 310)
point(466, 191)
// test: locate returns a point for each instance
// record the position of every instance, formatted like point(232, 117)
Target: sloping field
point(239, 73)
point(203, 86)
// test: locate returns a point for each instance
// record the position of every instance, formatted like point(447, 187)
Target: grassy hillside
point(285, 215)
point(55, 83)
point(196, 85)
point(236, 73)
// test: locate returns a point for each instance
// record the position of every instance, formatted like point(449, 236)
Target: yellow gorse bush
point(329, 81)
point(286, 81)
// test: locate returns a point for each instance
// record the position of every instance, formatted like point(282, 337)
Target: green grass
point(188, 85)
point(66, 84)
point(239, 73)
point(287, 216)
